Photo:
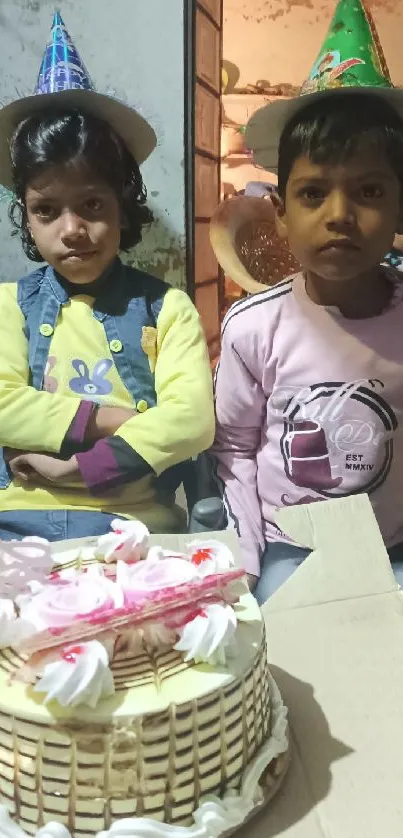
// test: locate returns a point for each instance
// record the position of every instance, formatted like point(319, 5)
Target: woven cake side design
point(157, 765)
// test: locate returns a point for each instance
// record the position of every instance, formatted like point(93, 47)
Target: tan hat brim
point(231, 225)
point(135, 131)
point(266, 126)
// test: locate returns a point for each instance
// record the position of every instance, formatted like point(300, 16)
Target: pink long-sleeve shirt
point(309, 406)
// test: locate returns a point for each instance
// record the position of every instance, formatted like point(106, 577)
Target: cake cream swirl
point(210, 636)
point(127, 541)
point(78, 674)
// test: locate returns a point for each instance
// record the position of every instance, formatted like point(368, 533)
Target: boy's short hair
point(62, 137)
point(337, 127)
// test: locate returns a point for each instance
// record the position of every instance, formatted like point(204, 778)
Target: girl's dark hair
point(54, 138)
point(334, 129)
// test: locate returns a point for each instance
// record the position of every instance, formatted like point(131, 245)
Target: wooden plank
point(208, 122)
point(208, 52)
point(206, 267)
point(213, 8)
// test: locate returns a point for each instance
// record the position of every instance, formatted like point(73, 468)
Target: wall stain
point(162, 261)
point(273, 9)
point(29, 5)
point(387, 5)
point(161, 254)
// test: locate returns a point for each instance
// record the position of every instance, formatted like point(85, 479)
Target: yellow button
point(46, 330)
point(142, 406)
point(116, 346)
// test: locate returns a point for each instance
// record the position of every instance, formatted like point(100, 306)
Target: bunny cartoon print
point(91, 387)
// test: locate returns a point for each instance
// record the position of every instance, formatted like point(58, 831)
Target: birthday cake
point(135, 697)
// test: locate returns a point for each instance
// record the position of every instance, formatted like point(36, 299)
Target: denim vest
point(128, 301)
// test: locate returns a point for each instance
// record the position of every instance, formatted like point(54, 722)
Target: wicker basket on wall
point(246, 244)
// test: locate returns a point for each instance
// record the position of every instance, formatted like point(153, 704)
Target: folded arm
point(37, 421)
point(30, 420)
point(180, 426)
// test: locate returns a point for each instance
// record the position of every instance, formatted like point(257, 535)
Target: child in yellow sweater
point(105, 383)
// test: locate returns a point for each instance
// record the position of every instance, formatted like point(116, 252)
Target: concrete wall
point(134, 48)
point(278, 40)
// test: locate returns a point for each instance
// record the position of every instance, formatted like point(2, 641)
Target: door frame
point(189, 53)
point(202, 81)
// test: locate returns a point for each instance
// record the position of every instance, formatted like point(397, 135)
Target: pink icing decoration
point(174, 606)
point(202, 555)
point(61, 603)
point(23, 562)
point(168, 589)
point(71, 653)
point(151, 578)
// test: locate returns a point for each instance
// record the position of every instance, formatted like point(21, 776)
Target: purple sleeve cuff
point(99, 468)
point(109, 464)
point(77, 430)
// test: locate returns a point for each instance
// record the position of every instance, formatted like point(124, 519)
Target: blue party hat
point(64, 82)
point(61, 68)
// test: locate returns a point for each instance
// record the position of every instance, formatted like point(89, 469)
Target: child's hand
point(106, 421)
point(37, 469)
point(252, 581)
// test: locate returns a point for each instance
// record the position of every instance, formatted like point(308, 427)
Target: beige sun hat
point(63, 81)
point(246, 245)
point(350, 62)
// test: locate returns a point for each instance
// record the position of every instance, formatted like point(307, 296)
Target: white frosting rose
point(210, 556)
point(60, 603)
point(209, 637)
point(78, 674)
point(128, 541)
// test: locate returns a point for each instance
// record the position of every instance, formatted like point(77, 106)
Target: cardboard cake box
point(335, 647)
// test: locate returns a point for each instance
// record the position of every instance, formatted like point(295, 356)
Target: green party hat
point(351, 61)
point(351, 55)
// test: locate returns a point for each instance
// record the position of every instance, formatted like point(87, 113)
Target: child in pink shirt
point(309, 389)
